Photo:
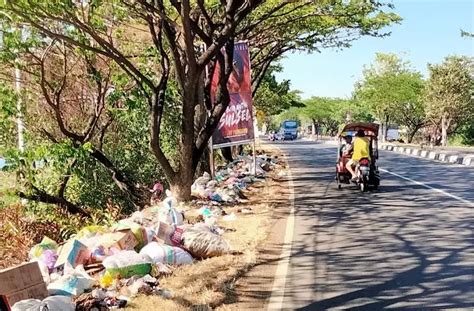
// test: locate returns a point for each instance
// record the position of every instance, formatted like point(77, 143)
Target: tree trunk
point(410, 135)
point(237, 150)
point(204, 164)
point(227, 154)
point(137, 196)
point(181, 185)
point(444, 131)
point(41, 196)
point(385, 129)
point(313, 127)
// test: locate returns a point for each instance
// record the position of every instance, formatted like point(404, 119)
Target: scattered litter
point(45, 244)
point(126, 264)
point(100, 267)
point(230, 217)
point(160, 253)
point(74, 253)
point(72, 283)
point(204, 244)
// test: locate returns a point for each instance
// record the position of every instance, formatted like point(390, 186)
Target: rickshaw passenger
point(346, 148)
point(361, 150)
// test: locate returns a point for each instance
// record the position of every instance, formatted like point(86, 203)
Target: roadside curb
point(440, 156)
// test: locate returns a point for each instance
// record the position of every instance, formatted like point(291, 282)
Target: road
point(406, 246)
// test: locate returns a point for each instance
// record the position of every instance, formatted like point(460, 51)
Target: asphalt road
point(404, 246)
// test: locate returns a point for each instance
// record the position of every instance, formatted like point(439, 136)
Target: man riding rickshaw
point(357, 157)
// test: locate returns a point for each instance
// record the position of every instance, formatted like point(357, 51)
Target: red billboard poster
point(236, 124)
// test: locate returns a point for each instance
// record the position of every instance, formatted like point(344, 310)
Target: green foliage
point(312, 25)
point(273, 97)
point(8, 112)
point(392, 91)
point(449, 91)
point(107, 30)
point(328, 114)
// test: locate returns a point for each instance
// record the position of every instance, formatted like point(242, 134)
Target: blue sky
point(430, 30)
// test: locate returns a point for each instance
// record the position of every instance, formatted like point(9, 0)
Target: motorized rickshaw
point(366, 170)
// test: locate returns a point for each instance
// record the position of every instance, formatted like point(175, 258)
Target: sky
point(429, 32)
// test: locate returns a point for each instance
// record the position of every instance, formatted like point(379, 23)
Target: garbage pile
point(100, 268)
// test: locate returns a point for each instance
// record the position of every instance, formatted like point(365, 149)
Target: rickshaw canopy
point(370, 129)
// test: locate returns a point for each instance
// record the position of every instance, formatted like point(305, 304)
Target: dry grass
point(210, 283)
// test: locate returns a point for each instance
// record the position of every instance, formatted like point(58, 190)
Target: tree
point(449, 94)
point(392, 91)
point(8, 112)
point(178, 30)
point(273, 97)
point(277, 27)
point(329, 114)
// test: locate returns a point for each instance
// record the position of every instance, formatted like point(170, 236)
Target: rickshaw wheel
point(362, 186)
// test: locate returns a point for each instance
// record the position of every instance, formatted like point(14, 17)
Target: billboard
point(236, 124)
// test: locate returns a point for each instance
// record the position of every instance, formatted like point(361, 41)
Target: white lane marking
point(278, 290)
point(432, 188)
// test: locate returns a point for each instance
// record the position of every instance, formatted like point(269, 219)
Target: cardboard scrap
point(123, 240)
point(73, 252)
point(22, 282)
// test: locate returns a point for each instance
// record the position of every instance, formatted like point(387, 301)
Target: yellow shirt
point(361, 148)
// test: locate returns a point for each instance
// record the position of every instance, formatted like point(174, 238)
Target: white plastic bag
point(27, 305)
point(72, 283)
point(57, 303)
point(126, 264)
point(53, 303)
point(125, 259)
point(168, 212)
point(160, 253)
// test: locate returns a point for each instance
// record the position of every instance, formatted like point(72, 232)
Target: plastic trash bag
point(160, 253)
point(46, 243)
point(204, 244)
point(74, 282)
point(53, 303)
point(57, 303)
point(49, 257)
point(27, 305)
point(126, 264)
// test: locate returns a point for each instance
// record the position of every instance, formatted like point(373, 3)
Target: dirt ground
point(240, 281)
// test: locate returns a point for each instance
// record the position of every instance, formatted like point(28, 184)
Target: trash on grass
point(160, 253)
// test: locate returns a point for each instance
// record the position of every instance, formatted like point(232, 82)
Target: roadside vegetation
point(437, 110)
point(112, 100)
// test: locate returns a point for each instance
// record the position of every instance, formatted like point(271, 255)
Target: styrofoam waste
point(160, 253)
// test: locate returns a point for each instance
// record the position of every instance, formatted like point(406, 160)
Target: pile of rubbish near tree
point(100, 268)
